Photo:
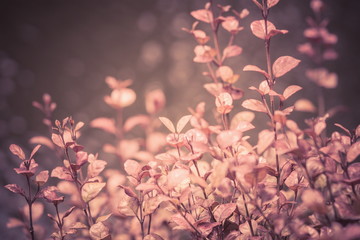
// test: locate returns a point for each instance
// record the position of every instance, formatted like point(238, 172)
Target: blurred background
point(67, 48)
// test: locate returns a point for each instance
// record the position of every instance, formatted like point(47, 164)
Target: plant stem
point(60, 223)
point(30, 202)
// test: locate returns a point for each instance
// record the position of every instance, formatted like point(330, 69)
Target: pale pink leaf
point(203, 15)
point(304, 105)
point(283, 65)
point(99, 231)
point(132, 168)
point(168, 124)
point(255, 105)
point(228, 138)
point(232, 51)
point(95, 168)
point(182, 123)
point(106, 124)
point(15, 189)
point(258, 28)
point(265, 139)
point(103, 218)
point(62, 173)
point(353, 152)
point(254, 68)
point(42, 177)
point(42, 140)
point(314, 200)
point(176, 176)
point(34, 151)
point(181, 222)
point(223, 211)
point(290, 90)
point(224, 72)
point(57, 140)
point(16, 150)
point(136, 120)
point(90, 190)
point(272, 3)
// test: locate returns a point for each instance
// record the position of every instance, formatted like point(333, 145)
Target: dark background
point(67, 48)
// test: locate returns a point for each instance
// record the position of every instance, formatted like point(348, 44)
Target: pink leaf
point(353, 152)
point(182, 123)
point(254, 68)
point(106, 124)
point(62, 173)
point(99, 231)
point(57, 140)
point(254, 105)
point(15, 189)
point(232, 51)
point(283, 65)
point(224, 72)
point(176, 177)
point(314, 200)
point(290, 90)
point(168, 124)
point(265, 139)
point(258, 28)
point(304, 105)
point(136, 120)
point(203, 15)
point(181, 222)
point(42, 140)
point(95, 168)
point(224, 211)
point(272, 3)
point(34, 151)
point(16, 150)
point(42, 177)
point(228, 138)
point(132, 168)
point(90, 190)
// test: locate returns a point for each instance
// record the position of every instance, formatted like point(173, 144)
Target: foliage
point(203, 179)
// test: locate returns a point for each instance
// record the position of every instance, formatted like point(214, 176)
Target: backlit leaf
point(265, 139)
point(15, 189)
point(176, 176)
point(283, 65)
point(304, 105)
point(254, 68)
point(16, 150)
point(203, 15)
point(224, 211)
point(106, 124)
point(258, 28)
point(228, 138)
point(272, 3)
point(62, 173)
point(90, 190)
point(290, 90)
point(99, 231)
point(232, 51)
point(33, 152)
point(132, 168)
point(182, 123)
point(255, 105)
point(353, 152)
point(168, 124)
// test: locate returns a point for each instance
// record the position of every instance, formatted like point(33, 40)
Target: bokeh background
point(67, 48)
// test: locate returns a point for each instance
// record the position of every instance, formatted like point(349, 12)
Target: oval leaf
point(254, 105)
point(168, 124)
point(16, 150)
point(182, 123)
point(90, 190)
point(283, 65)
